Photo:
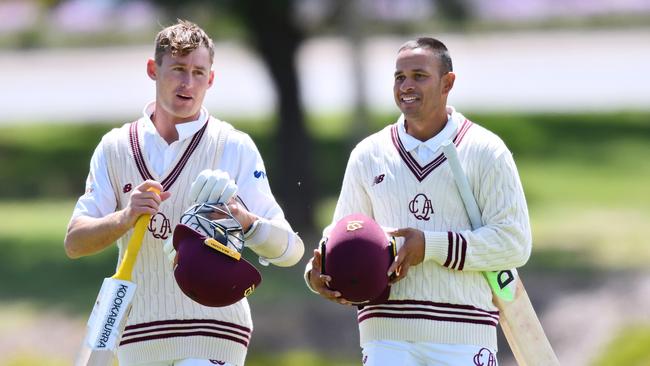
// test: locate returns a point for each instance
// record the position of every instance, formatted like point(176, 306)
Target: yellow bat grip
point(125, 270)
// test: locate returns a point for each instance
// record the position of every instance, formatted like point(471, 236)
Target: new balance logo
point(379, 179)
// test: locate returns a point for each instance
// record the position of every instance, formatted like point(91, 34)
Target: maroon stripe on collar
point(461, 133)
point(137, 152)
point(171, 178)
point(408, 160)
point(421, 172)
point(410, 157)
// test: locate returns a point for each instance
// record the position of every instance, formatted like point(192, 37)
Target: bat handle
point(125, 270)
point(506, 293)
point(464, 189)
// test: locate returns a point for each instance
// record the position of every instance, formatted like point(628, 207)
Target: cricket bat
point(111, 310)
point(518, 319)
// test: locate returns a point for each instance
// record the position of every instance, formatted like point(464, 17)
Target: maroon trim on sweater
point(456, 250)
point(421, 172)
point(419, 309)
point(186, 321)
point(433, 304)
point(186, 327)
point(183, 334)
point(463, 252)
point(137, 152)
point(173, 175)
point(171, 178)
point(427, 317)
point(450, 247)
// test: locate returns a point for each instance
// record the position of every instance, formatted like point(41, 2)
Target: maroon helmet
point(210, 269)
point(356, 256)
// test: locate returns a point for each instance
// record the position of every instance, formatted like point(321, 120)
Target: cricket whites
point(518, 319)
point(111, 310)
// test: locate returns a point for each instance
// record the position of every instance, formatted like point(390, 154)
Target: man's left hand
point(239, 212)
point(410, 254)
point(212, 186)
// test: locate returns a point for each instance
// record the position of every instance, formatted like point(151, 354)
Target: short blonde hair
point(181, 39)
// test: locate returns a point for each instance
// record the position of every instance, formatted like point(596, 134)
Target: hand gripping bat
point(518, 319)
point(108, 317)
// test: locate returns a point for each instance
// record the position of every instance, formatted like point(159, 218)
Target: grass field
point(629, 347)
point(586, 181)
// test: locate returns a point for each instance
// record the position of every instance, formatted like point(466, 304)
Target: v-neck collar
point(411, 143)
point(421, 172)
point(170, 176)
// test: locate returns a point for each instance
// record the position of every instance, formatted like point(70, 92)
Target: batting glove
point(212, 186)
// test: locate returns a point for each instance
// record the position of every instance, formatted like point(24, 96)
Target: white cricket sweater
point(445, 299)
point(165, 324)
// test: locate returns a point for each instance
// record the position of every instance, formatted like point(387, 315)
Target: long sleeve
point(505, 239)
point(271, 237)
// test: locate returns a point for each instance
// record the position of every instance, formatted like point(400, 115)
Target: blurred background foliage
point(585, 171)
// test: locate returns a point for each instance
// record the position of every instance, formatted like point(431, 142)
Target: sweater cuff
point(436, 246)
point(448, 249)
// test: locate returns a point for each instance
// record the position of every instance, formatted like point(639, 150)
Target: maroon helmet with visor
point(210, 269)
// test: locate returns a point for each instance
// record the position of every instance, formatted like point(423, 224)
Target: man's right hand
point(88, 235)
point(143, 201)
point(318, 281)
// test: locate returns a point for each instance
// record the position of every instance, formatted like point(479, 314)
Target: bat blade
point(523, 331)
point(106, 323)
point(518, 319)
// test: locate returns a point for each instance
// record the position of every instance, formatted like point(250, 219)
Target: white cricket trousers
point(394, 353)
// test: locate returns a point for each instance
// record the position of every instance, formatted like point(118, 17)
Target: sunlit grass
point(35, 219)
point(31, 359)
point(631, 347)
point(31, 237)
point(572, 182)
point(300, 358)
point(613, 238)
